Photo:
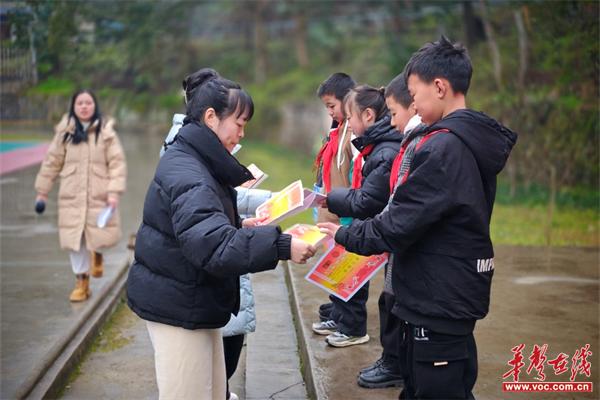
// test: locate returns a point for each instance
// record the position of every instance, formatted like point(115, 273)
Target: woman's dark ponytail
point(224, 96)
point(198, 78)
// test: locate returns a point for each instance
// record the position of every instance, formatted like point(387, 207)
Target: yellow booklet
point(308, 233)
point(289, 201)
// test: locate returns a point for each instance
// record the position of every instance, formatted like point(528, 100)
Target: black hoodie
point(374, 191)
point(189, 252)
point(437, 224)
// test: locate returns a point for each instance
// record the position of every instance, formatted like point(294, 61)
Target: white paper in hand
point(104, 216)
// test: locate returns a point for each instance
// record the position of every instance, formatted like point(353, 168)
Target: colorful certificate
point(258, 174)
point(342, 273)
point(289, 201)
point(308, 233)
point(282, 204)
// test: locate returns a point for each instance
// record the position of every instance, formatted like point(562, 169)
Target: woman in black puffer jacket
point(192, 245)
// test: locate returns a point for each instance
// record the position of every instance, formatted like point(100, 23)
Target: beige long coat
point(88, 172)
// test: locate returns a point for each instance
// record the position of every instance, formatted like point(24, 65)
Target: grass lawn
point(514, 224)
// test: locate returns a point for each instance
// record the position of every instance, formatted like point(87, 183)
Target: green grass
point(522, 221)
point(283, 167)
point(527, 225)
point(109, 338)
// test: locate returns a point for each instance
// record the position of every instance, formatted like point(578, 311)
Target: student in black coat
point(192, 245)
point(378, 142)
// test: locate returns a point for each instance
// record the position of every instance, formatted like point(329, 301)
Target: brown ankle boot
point(97, 269)
point(82, 289)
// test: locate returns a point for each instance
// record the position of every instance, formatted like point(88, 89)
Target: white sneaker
point(324, 327)
point(338, 339)
point(233, 396)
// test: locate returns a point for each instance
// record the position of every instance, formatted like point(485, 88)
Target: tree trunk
point(491, 39)
point(260, 43)
point(551, 205)
point(523, 54)
point(471, 24)
point(300, 39)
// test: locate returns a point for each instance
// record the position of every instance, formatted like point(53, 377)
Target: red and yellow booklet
point(289, 201)
point(342, 273)
point(258, 174)
point(311, 234)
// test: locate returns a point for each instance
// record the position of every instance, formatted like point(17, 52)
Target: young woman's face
point(426, 98)
point(230, 130)
point(359, 121)
point(84, 107)
point(334, 107)
point(400, 115)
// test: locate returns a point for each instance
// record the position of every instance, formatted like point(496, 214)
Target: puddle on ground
point(535, 280)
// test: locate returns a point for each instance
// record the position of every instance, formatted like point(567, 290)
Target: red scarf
point(358, 164)
point(396, 168)
point(326, 156)
point(398, 160)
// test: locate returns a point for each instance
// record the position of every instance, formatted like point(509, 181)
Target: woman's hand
point(250, 222)
point(41, 197)
point(113, 200)
point(301, 251)
point(328, 228)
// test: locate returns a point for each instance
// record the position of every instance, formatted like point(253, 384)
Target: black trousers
point(438, 366)
point(232, 347)
point(351, 316)
point(391, 330)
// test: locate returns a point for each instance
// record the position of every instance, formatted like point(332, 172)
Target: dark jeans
point(438, 366)
point(232, 347)
point(390, 330)
point(351, 316)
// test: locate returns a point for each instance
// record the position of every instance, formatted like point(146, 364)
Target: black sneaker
point(325, 311)
point(382, 376)
point(372, 366)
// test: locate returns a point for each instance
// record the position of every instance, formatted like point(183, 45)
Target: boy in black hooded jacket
point(437, 225)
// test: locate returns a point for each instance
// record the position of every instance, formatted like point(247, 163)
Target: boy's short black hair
point(398, 89)
point(337, 84)
point(442, 59)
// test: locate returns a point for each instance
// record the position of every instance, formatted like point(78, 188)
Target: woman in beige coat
point(88, 157)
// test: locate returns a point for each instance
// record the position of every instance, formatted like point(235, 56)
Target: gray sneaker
point(324, 327)
point(338, 339)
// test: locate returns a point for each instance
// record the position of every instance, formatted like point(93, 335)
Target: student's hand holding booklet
point(328, 228)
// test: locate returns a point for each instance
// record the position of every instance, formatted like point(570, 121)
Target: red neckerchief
point(396, 168)
point(398, 160)
point(327, 155)
point(358, 164)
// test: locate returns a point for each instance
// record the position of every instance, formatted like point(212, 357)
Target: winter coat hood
point(200, 140)
point(380, 131)
point(489, 141)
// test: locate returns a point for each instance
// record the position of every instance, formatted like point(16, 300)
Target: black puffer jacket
point(190, 249)
point(437, 225)
point(374, 192)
